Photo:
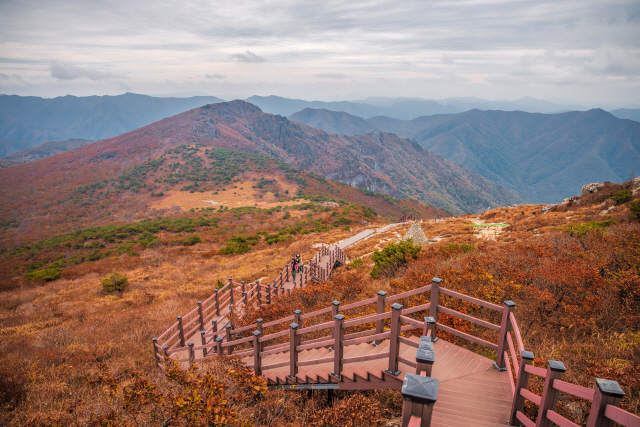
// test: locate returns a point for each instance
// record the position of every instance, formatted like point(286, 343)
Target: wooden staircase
point(442, 384)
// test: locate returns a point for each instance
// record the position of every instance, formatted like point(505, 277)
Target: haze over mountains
point(545, 157)
point(32, 120)
point(377, 162)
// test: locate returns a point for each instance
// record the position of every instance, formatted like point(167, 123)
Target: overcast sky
point(582, 50)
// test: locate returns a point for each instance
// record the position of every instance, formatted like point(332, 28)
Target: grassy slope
point(56, 333)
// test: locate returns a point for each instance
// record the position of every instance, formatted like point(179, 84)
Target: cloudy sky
point(583, 50)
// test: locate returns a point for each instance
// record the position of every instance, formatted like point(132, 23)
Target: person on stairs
point(294, 268)
point(299, 262)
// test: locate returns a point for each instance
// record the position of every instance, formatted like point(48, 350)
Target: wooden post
point(335, 310)
point(214, 328)
point(293, 353)
point(288, 291)
point(286, 267)
point(192, 357)
point(281, 282)
point(526, 358)
point(296, 317)
point(155, 351)
point(231, 290)
point(256, 353)
point(219, 344)
point(246, 300)
point(418, 397)
point(382, 296)
point(505, 328)
point(425, 356)
point(269, 293)
point(435, 298)
point(203, 340)
point(229, 338)
point(606, 393)
point(181, 330)
point(215, 291)
point(394, 341)
point(201, 317)
point(259, 292)
point(338, 336)
point(242, 286)
point(165, 352)
point(550, 395)
point(259, 328)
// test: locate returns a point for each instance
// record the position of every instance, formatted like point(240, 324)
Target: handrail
point(471, 299)
point(621, 416)
point(468, 318)
point(516, 330)
point(574, 390)
point(536, 371)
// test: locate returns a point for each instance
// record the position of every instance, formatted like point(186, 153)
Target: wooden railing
point(407, 218)
point(330, 327)
point(230, 301)
point(604, 398)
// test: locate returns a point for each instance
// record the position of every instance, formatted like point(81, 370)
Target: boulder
point(590, 188)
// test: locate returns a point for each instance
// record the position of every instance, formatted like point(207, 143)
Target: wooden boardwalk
point(376, 348)
point(471, 392)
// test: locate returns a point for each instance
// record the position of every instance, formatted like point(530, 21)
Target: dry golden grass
point(240, 194)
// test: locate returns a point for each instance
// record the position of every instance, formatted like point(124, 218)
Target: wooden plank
point(316, 361)
point(470, 299)
point(374, 337)
point(524, 420)
point(308, 346)
point(422, 307)
point(516, 330)
point(471, 338)
point(621, 416)
point(412, 322)
point(358, 304)
point(558, 419)
point(315, 328)
point(409, 293)
point(468, 318)
point(574, 390)
point(536, 371)
point(366, 319)
point(365, 358)
point(530, 396)
point(407, 341)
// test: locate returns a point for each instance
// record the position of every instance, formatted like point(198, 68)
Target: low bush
point(634, 207)
point(45, 274)
point(580, 229)
point(622, 196)
point(239, 245)
point(115, 282)
point(392, 257)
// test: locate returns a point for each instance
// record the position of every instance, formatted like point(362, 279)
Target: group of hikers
point(296, 266)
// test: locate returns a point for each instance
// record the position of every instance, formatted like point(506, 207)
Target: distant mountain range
point(42, 151)
point(545, 157)
point(376, 162)
point(34, 120)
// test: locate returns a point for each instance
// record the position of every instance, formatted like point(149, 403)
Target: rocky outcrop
point(416, 234)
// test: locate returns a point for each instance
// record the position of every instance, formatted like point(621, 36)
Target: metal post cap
point(382, 293)
point(256, 333)
point(509, 303)
point(554, 365)
point(336, 303)
point(420, 389)
point(339, 317)
point(259, 321)
point(293, 325)
point(429, 319)
point(527, 355)
point(297, 311)
point(435, 279)
point(609, 387)
point(397, 306)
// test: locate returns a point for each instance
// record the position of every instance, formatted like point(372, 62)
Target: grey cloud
point(248, 56)
point(216, 76)
point(331, 75)
point(66, 71)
